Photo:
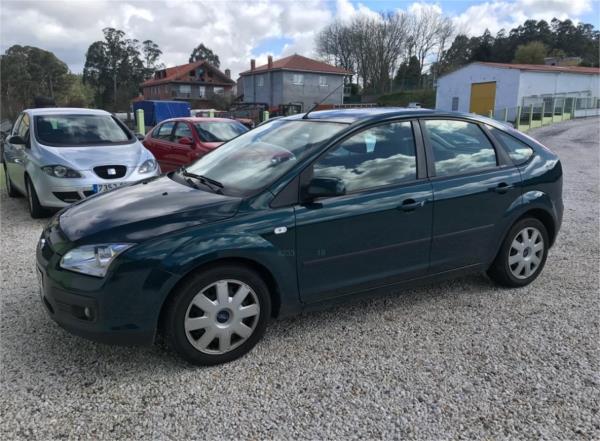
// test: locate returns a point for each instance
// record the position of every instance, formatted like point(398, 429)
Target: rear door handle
point(501, 188)
point(410, 205)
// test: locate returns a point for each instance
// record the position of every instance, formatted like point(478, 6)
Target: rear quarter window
point(518, 151)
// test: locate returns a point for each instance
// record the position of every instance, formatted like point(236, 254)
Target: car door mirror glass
point(324, 187)
point(16, 140)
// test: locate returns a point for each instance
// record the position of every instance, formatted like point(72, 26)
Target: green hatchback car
point(299, 213)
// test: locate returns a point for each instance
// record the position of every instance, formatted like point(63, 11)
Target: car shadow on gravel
point(49, 348)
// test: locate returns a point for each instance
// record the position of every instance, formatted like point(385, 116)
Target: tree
point(409, 74)
point(114, 68)
point(151, 53)
point(27, 72)
point(531, 53)
point(201, 52)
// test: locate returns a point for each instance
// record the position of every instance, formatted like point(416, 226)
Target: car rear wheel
point(12, 191)
point(218, 315)
point(36, 210)
point(522, 255)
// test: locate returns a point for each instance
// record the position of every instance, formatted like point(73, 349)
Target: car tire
point(217, 315)
point(10, 189)
point(522, 255)
point(36, 210)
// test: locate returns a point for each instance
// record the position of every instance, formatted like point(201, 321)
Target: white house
point(483, 87)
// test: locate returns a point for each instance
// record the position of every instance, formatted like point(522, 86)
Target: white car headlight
point(60, 171)
point(92, 260)
point(147, 166)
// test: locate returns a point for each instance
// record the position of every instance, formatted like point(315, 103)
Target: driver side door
point(379, 232)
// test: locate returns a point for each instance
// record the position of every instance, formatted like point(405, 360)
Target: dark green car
point(296, 214)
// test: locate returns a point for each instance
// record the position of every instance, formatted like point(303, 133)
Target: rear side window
point(459, 147)
point(164, 131)
point(518, 151)
point(375, 157)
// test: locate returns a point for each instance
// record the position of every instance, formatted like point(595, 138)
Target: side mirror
point(16, 140)
point(324, 188)
point(140, 137)
point(186, 140)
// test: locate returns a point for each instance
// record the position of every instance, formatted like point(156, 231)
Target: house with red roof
point(292, 80)
point(199, 83)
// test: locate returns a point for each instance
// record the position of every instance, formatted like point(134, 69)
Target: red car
point(180, 141)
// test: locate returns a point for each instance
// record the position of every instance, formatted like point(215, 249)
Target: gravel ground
point(462, 359)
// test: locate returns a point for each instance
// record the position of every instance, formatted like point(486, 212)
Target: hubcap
point(221, 316)
point(526, 252)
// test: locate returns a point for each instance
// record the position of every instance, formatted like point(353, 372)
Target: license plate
point(99, 188)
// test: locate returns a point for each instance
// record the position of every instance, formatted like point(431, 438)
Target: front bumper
point(117, 309)
point(62, 192)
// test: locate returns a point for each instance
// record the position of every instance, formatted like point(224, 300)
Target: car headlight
point(92, 260)
point(60, 171)
point(147, 166)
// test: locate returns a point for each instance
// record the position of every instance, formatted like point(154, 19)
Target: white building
point(483, 87)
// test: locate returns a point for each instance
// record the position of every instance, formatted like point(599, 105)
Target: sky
point(241, 30)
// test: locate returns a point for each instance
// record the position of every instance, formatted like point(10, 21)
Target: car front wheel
point(218, 315)
point(522, 255)
point(35, 208)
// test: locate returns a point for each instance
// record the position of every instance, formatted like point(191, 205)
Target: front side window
point(15, 129)
point(375, 157)
point(459, 147)
point(79, 130)
point(164, 131)
point(182, 131)
point(257, 158)
point(298, 79)
point(219, 131)
point(24, 127)
point(518, 151)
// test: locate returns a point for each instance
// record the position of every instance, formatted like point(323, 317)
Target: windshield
point(257, 158)
point(79, 130)
point(219, 131)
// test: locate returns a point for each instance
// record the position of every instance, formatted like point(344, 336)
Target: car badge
point(111, 171)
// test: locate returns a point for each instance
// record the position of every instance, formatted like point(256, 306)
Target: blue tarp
point(157, 111)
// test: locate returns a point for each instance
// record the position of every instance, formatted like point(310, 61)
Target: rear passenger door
point(474, 185)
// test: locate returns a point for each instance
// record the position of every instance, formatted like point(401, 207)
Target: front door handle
point(410, 205)
point(502, 188)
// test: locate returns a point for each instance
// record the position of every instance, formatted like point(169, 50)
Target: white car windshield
point(257, 158)
point(79, 130)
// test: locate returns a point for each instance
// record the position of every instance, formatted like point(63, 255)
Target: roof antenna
point(320, 102)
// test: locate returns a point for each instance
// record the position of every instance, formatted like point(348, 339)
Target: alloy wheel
point(526, 253)
point(222, 316)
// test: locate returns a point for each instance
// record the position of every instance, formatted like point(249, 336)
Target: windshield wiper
point(213, 184)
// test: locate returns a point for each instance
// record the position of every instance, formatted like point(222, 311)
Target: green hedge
point(424, 96)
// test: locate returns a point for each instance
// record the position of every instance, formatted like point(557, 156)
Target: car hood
point(146, 209)
point(86, 158)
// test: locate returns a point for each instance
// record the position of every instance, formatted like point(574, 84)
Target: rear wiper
point(209, 182)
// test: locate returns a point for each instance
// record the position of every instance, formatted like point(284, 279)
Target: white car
point(57, 156)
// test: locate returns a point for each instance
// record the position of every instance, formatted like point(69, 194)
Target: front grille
point(110, 171)
point(88, 193)
point(46, 250)
point(67, 196)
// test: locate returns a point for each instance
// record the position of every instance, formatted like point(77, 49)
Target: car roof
point(65, 111)
point(355, 115)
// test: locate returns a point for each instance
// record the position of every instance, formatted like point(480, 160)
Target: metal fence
point(547, 111)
